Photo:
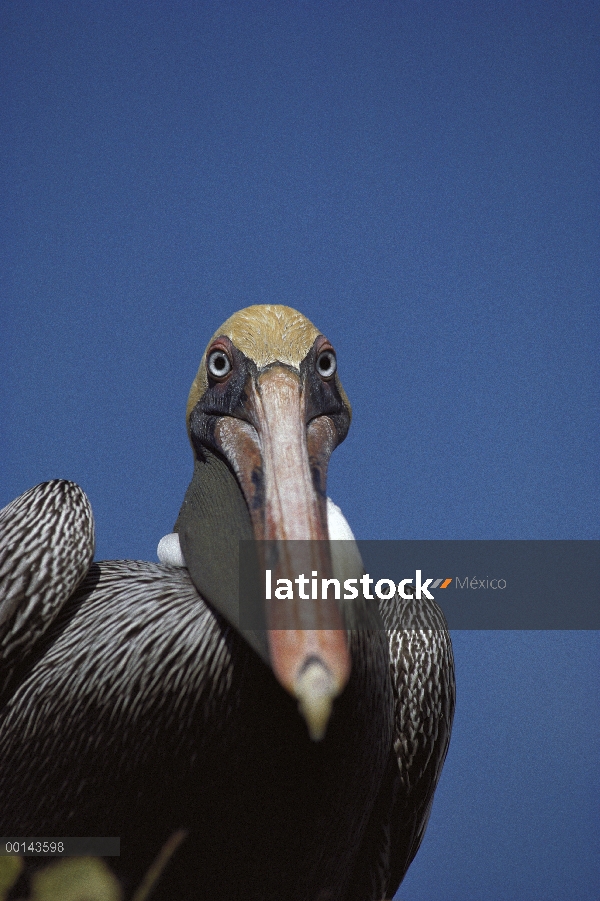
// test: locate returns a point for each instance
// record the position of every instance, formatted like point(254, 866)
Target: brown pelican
point(301, 759)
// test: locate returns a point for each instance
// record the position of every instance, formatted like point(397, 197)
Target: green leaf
point(76, 879)
point(10, 869)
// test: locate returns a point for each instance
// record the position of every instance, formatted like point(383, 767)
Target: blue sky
point(421, 180)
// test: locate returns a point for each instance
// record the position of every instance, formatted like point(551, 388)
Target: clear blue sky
point(421, 180)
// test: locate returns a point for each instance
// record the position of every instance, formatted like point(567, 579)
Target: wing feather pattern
point(423, 686)
point(46, 547)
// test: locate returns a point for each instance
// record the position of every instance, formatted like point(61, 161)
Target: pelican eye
point(326, 364)
point(218, 364)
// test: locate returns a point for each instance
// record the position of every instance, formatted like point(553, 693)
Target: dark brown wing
point(422, 672)
point(46, 547)
point(422, 678)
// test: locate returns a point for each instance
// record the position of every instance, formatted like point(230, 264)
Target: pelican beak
point(281, 463)
point(264, 414)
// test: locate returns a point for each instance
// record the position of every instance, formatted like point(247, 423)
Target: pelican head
point(265, 411)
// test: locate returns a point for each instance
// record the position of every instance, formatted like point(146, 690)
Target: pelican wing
point(422, 668)
point(46, 547)
point(423, 688)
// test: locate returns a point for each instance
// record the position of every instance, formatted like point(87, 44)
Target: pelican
point(300, 758)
